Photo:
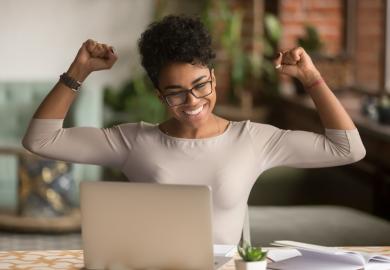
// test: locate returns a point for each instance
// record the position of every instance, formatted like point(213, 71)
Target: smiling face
point(178, 77)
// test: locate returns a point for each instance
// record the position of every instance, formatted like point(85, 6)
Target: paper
point(280, 254)
point(300, 263)
point(327, 258)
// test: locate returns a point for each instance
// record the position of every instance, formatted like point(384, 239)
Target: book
point(325, 258)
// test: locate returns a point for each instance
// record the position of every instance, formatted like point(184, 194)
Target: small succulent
point(251, 254)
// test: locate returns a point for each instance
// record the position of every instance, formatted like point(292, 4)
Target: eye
point(174, 92)
point(200, 86)
point(177, 93)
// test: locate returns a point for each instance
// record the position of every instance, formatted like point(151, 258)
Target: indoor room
point(302, 86)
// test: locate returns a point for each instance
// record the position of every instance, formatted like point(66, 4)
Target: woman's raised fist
point(92, 56)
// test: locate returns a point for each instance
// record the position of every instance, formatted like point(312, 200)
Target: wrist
point(310, 78)
point(314, 84)
point(70, 82)
point(77, 72)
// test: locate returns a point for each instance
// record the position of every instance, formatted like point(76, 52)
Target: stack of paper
point(325, 258)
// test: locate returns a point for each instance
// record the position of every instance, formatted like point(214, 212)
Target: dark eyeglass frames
point(199, 90)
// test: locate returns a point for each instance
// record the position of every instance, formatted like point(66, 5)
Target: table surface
point(73, 259)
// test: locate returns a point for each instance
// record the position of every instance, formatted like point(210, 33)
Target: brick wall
point(365, 67)
point(328, 17)
point(369, 44)
point(325, 15)
point(251, 26)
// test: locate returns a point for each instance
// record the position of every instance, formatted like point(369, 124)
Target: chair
point(18, 101)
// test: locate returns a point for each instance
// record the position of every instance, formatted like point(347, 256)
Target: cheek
point(213, 98)
point(174, 110)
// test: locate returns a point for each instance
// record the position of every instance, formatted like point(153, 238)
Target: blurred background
point(348, 41)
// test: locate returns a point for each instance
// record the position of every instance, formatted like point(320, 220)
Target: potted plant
point(240, 71)
point(226, 24)
point(383, 109)
point(252, 258)
point(270, 42)
point(311, 42)
point(133, 101)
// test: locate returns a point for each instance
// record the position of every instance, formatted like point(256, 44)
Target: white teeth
point(194, 111)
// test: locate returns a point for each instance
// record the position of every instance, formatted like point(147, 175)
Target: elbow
point(29, 144)
point(357, 149)
point(347, 145)
point(29, 140)
point(357, 153)
point(40, 134)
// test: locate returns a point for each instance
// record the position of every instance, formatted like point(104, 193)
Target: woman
point(194, 146)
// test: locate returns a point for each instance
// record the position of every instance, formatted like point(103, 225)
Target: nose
point(191, 99)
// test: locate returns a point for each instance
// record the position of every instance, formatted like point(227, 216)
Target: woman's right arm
point(45, 135)
point(91, 57)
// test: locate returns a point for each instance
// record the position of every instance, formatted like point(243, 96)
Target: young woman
point(194, 146)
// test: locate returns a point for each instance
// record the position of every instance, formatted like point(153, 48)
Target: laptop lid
point(143, 225)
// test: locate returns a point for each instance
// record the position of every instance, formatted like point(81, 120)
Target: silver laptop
point(147, 226)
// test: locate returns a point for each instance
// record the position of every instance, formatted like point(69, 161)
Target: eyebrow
point(175, 86)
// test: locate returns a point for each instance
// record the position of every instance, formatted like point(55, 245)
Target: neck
point(177, 129)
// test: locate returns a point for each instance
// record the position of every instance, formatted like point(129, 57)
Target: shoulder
point(128, 128)
point(133, 130)
point(261, 134)
point(254, 128)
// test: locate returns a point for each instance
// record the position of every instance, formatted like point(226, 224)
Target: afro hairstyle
point(174, 39)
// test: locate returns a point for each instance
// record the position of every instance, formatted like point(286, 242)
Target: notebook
point(143, 225)
point(326, 258)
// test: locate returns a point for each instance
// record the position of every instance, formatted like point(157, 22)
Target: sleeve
point(100, 146)
point(303, 149)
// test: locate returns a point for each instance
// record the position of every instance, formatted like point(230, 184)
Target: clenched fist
point(297, 63)
point(92, 56)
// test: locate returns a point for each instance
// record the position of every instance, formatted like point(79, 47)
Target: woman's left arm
point(297, 63)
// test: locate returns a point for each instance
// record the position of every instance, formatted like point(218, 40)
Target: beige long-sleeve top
point(229, 163)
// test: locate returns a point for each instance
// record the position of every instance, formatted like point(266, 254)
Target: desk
point(73, 259)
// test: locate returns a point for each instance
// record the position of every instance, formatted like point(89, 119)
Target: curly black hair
point(174, 39)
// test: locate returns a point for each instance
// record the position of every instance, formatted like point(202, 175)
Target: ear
point(214, 79)
point(160, 97)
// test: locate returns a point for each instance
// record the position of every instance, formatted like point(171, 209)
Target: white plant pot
point(243, 265)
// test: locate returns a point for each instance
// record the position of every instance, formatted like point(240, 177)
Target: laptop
point(147, 226)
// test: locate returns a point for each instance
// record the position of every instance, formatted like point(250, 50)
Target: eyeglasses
point(199, 90)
